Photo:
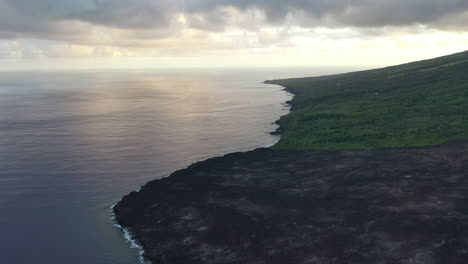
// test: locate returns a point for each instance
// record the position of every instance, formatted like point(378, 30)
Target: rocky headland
point(387, 206)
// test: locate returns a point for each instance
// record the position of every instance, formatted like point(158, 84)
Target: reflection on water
point(71, 144)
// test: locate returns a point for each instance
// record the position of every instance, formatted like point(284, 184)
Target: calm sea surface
point(72, 144)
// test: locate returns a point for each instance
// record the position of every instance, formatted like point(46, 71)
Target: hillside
point(392, 206)
point(416, 104)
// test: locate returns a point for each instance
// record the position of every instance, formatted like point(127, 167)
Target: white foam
point(272, 144)
point(128, 236)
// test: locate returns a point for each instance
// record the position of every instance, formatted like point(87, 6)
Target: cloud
point(46, 16)
point(9, 49)
point(80, 28)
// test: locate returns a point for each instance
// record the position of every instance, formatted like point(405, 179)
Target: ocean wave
point(128, 236)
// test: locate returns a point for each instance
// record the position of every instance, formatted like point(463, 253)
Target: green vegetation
point(416, 104)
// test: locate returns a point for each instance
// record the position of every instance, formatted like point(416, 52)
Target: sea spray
point(128, 236)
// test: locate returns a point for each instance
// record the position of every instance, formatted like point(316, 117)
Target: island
point(372, 167)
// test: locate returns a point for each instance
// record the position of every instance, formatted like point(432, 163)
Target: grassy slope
point(415, 104)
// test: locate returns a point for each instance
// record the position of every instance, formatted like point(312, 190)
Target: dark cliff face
point(392, 206)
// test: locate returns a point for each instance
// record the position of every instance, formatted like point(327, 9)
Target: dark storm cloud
point(359, 13)
point(49, 18)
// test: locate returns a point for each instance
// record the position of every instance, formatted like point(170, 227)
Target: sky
point(134, 34)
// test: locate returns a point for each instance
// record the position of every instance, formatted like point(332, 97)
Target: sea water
point(73, 143)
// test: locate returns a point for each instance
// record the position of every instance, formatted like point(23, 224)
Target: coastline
point(406, 205)
point(288, 103)
point(126, 232)
point(340, 198)
point(128, 236)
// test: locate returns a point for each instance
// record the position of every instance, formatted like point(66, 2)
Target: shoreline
point(288, 103)
point(191, 214)
point(134, 244)
point(330, 191)
point(126, 232)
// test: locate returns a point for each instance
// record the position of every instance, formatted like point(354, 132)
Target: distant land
point(415, 104)
point(372, 167)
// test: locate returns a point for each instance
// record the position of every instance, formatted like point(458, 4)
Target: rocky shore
point(388, 206)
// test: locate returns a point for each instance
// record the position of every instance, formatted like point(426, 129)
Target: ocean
point(73, 143)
